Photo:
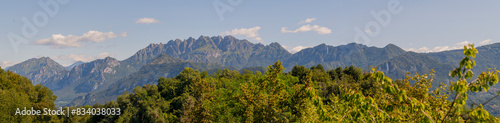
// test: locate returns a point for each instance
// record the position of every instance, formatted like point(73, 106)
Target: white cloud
point(420, 50)
point(74, 58)
point(67, 60)
point(298, 48)
point(5, 64)
point(104, 55)
point(248, 32)
point(308, 20)
point(485, 42)
point(306, 28)
point(295, 49)
point(60, 41)
point(368, 31)
point(147, 20)
point(459, 45)
point(462, 44)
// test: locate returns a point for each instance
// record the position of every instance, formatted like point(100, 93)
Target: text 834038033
point(96, 111)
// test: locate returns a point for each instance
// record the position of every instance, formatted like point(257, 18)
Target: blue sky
point(92, 29)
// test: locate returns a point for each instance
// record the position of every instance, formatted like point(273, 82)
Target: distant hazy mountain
point(74, 65)
point(397, 67)
point(39, 70)
point(488, 57)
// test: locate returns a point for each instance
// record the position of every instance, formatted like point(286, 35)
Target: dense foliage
point(18, 92)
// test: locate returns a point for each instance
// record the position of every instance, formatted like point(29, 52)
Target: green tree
point(17, 92)
point(462, 86)
point(300, 72)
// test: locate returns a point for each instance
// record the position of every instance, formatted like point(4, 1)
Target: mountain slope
point(162, 66)
point(88, 77)
point(39, 70)
point(412, 62)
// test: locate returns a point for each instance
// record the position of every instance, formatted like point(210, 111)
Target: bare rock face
point(112, 62)
point(109, 70)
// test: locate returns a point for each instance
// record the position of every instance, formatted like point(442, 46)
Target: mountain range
point(104, 79)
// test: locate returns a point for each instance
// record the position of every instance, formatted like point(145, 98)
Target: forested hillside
point(18, 92)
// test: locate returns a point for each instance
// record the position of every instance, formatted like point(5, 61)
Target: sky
point(69, 30)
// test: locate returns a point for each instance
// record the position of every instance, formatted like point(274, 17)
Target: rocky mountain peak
point(217, 39)
point(275, 44)
point(390, 46)
point(38, 70)
point(112, 62)
point(190, 39)
point(229, 37)
point(204, 38)
point(393, 47)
